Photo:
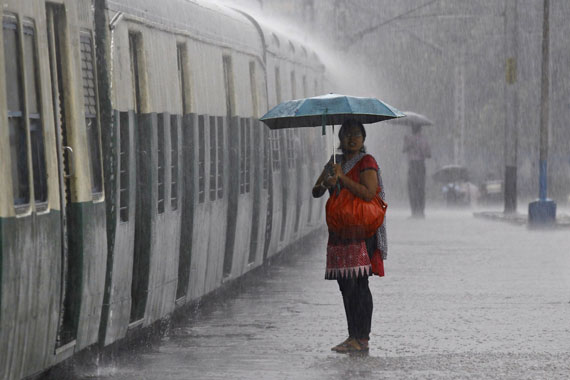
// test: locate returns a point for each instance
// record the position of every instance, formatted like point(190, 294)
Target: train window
point(220, 157)
point(182, 57)
point(201, 160)
point(213, 166)
point(245, 154)
point(274, 139)
point(91, 111)
point(124, 176)
point(293, 86)
point(137, 69)
point(290, 141)
point(229, 85)
point(160, 162)
point(16, 122)
point(242, 156)
point(275, 134)
point(34, 115)
point(300, 146)
point(253, 84)
point(266, 158)
point(277, 85)
point(174, 125)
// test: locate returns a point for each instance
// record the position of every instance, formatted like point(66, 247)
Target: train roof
point(285, 46)
point(201, 20)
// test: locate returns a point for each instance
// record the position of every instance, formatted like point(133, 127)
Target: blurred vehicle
point(457, 190)
point(491, 191)
point(460, 193)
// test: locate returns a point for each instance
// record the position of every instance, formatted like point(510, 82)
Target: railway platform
point(463, 298)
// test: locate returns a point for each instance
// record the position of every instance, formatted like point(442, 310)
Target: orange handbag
point(352, 217)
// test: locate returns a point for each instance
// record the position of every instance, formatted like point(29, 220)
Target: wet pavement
point(463, 298)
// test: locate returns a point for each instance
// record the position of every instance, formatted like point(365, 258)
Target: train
point(135, 175)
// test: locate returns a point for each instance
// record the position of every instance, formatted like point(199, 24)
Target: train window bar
point(174, 125)
point(242, 145)
point(220, 157)
point(124, 174)
point(247, 154)
point(213, 158)
point(90, 99)
point(201, 160)
point(16, 121)
point(266, 157)
point(160, 162)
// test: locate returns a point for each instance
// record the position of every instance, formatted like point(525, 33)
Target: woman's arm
point(367, 187)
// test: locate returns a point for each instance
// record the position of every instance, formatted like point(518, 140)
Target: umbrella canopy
point(451, 173)
point(326, 110)
point(413, 119)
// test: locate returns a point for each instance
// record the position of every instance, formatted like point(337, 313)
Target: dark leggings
point(357, 305)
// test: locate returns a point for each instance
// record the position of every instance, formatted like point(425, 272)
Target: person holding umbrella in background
point(418, 150)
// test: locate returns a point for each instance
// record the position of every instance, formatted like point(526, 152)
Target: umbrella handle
point(334, 155)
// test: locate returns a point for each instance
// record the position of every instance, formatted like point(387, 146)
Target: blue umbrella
point(328, 109)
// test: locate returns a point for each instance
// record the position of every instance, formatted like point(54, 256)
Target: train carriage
point(53, 240)
point(181, 65)
point(136, 176)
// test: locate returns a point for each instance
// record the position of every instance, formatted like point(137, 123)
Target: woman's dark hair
point(352, 123)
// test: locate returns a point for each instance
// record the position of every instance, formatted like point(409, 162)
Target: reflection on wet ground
point(464, 298)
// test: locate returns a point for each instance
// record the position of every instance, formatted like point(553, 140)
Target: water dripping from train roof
point(347, 72)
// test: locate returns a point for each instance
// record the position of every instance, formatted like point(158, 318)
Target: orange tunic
point(350, 258)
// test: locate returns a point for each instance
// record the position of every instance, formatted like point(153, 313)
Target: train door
point(187, 203)
point(257, 184)
point(71, 269)
point(267, 184)
point(233, 191)
point(141, 254)
point(255, 215)
point(286, 154)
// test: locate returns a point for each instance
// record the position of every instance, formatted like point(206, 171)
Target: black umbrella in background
point(412, 119)
point(451, 173)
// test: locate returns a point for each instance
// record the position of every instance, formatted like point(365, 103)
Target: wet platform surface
point(463, 298)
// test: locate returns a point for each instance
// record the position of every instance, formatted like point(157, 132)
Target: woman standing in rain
point(349, 261)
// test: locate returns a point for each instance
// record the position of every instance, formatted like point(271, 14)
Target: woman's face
point(351, 139)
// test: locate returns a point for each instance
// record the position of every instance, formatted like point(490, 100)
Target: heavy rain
point(473, 67)
point(474, 165)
